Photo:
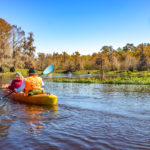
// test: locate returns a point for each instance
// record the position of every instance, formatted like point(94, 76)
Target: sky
point(80, 25)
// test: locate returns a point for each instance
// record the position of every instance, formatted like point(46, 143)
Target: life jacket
point(36, 91)
point(16, 83)
point(32, 82)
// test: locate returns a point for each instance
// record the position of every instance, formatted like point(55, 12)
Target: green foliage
point(128, 80)
point(119, 80)
point(86, 72)
point(76, 80)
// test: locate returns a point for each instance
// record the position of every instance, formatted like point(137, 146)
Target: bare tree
point(17, 45)
point(29, 51)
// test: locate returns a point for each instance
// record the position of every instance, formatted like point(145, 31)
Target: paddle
point(48, 69)
point(1, 98)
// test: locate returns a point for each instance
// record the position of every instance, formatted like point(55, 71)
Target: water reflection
point(5, 122)
point(4, 127)
point(34, 115)
point(28, 118)
point(127, 88)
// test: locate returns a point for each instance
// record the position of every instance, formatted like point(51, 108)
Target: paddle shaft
point(7, 95)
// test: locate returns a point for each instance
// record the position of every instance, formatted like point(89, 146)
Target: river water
point(88, 116)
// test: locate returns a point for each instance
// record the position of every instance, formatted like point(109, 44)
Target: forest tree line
point(18, 51)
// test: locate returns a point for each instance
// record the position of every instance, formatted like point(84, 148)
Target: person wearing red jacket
point(17, 82)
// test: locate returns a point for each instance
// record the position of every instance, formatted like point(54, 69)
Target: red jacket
point(16, 83)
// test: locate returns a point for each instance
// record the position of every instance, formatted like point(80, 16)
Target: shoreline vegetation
point(111, 77)
point(117, 80)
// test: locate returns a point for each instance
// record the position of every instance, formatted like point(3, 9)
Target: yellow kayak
point(40, 99)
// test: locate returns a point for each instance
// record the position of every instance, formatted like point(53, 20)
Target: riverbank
point(111, 77)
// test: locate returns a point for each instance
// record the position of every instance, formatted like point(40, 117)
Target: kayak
point(40, 99)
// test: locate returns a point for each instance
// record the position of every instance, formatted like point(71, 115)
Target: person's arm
point(42, 85)
point(21, 87)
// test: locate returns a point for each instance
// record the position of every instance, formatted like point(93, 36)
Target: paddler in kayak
point(17, 82)
point(32, 85)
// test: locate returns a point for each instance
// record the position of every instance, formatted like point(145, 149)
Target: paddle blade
point(48, 69)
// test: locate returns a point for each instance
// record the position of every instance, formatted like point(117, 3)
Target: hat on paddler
point(32, 71)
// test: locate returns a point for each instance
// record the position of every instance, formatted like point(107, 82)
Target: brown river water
point(88, 117)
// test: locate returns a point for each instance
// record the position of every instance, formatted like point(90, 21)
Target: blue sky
point(80, 25)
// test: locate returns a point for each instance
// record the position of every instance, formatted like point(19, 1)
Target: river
point(88, 116)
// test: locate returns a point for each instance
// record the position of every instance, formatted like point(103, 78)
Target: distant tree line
point(18, 51)
point(128, 58)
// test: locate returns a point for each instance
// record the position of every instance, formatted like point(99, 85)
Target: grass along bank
point(111, 77)
point(145, 80)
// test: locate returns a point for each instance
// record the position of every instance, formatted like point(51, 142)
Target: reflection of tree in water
point(4, 127)
point(5, 123)
point(34, 115)
point(6, 78)
point(126, 89)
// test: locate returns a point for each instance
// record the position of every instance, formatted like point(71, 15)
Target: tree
point(30, 47)
point(76, 60)
point(41, 57)
point(130, 47)
point(110, 52)
point(105, 49)
point(5, 34)
point(142, 63)
point(101, 60)
point(29, 50)
point(64, 56)
point(17, 45)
